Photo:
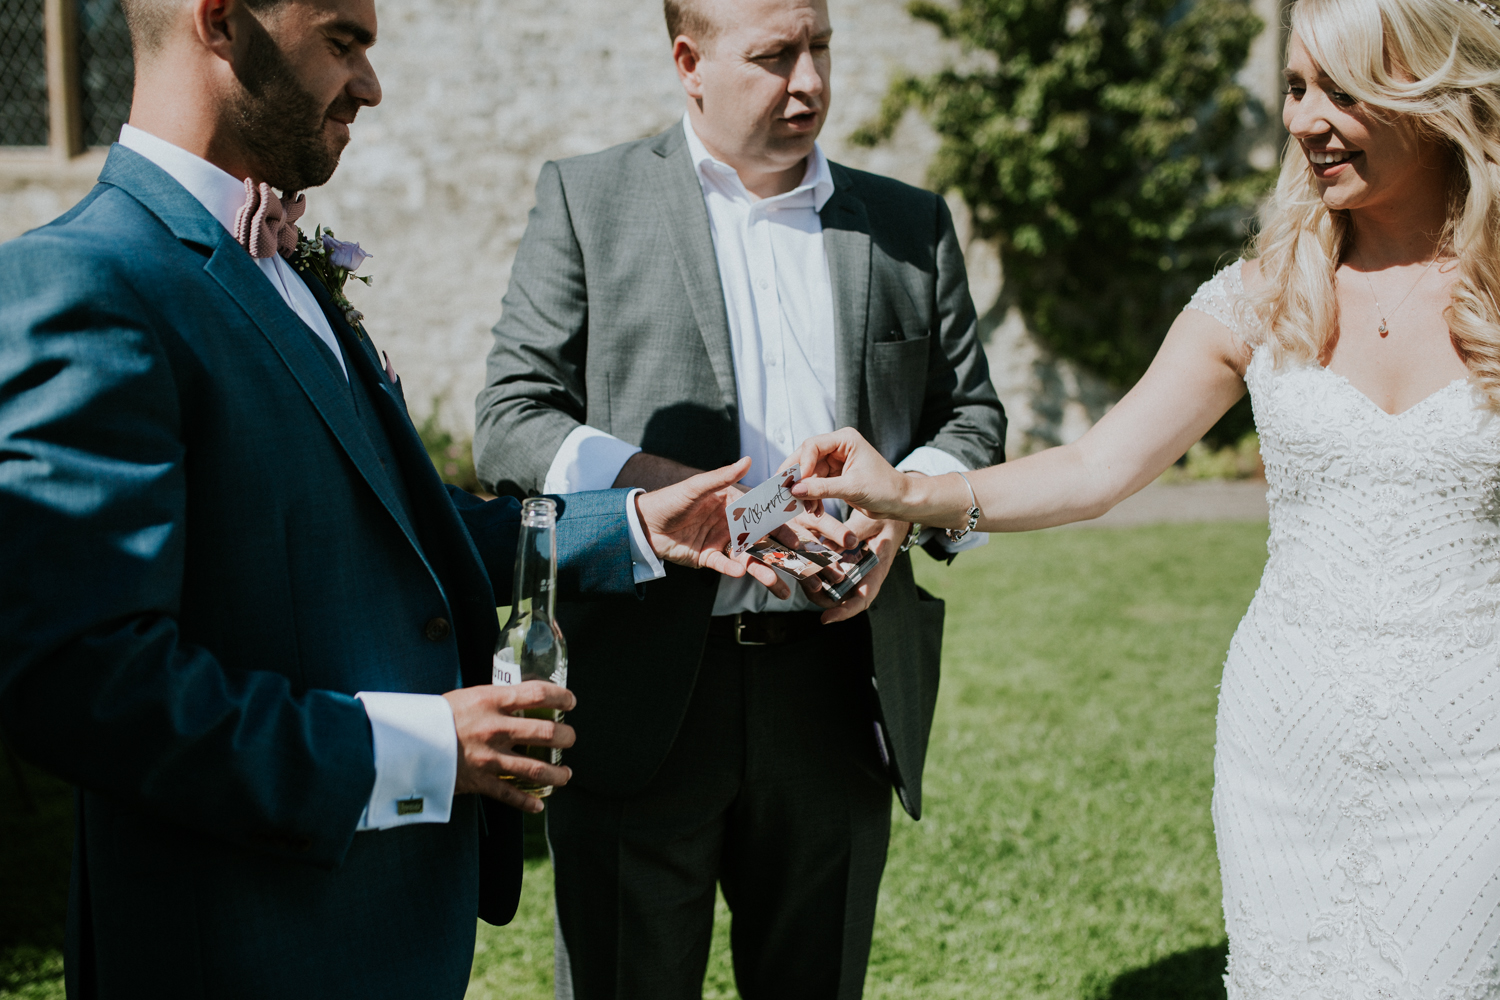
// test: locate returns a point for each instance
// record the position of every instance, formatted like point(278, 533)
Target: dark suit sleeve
point(593, 542)
point(960, 412)
point(96, 682)
point(534, 393)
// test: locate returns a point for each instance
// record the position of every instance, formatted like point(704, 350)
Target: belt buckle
point(739, 633)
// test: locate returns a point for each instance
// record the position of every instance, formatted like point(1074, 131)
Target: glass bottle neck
point(535, 590)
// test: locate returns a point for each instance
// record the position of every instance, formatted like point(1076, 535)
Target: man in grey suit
point(717, 290)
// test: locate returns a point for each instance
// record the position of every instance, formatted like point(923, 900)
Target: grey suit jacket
point(615, 318)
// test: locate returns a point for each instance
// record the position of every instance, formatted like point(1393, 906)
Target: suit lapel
point(242, 280)
point(685, 217)
point(354, 342)
point(290, 338)
point(846, 243)
point(454, 557)
point(359, 356)
point(236, 272)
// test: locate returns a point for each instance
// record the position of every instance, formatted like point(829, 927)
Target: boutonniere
point(333, 262)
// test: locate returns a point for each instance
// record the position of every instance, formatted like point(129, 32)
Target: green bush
point(453, 458)
point(1204, 461)
point(1102, 144)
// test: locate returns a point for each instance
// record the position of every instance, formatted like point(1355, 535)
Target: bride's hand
point(844, 466)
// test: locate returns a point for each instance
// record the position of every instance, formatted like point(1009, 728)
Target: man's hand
point(489, 734)
point(686, 525)
point(885, 537)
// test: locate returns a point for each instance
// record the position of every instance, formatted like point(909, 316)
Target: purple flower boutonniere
point(333, 262)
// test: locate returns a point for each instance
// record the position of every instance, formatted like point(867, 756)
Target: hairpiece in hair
point(1489, 10)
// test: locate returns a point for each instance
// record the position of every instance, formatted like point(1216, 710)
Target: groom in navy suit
point(238, 609)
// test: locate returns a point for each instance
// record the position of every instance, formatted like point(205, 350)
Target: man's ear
point(211, 21)
point(688, 57)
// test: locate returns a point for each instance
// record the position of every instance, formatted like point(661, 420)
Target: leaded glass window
point(23, 73)
point(105, 69)
point(66, 73)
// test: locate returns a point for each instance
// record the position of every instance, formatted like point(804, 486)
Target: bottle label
point(506, 671)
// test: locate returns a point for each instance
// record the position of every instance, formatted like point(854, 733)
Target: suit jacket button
point(437, 629)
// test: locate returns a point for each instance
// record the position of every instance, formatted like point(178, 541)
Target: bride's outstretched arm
point(1196, 377)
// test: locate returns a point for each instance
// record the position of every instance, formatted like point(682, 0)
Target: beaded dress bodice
point(1384, 531)
point(1357, 774)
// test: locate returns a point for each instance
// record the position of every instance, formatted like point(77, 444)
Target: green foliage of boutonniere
point(333, 262)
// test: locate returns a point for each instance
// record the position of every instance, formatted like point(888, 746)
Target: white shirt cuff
point(644, 562)
point(589, 459)
point(416, 759)
point(932, 461)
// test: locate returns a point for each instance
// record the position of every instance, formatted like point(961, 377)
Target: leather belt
point(769, 628)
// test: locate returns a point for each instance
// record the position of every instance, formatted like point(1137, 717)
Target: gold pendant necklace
point(1383, 329)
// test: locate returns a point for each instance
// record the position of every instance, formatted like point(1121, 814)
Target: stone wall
point(480, 93)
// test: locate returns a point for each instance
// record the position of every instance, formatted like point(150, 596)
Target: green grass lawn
point(1066, 850)
point(36, 845)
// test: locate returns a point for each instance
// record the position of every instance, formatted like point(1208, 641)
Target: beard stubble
point(280, 123)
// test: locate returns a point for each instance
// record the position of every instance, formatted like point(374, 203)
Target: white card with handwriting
point(763, 509)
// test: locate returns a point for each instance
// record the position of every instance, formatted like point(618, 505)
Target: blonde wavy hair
point(1437, 61)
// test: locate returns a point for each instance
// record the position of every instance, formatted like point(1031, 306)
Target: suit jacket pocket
point(897, 388)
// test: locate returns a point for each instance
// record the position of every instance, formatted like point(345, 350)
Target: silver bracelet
point(955, 535)
point(915, 530)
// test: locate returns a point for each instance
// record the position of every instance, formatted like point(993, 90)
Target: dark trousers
point(773, 789)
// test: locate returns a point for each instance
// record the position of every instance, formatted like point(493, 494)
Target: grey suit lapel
point(685, 216)
point(846, 243)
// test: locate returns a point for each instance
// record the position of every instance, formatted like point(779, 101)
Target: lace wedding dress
point(1357, 775)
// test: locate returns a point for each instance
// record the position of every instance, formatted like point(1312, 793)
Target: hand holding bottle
point(531, 648)
point(493, 736)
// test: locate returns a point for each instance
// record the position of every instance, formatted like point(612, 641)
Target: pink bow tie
point(266, 224)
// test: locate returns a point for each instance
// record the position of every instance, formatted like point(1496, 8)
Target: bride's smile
point(1360, 157)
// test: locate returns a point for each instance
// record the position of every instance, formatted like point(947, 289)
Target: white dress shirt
point(779, 300)
point(414, 739)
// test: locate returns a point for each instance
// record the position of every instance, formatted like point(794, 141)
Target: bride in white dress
point(1357, 773)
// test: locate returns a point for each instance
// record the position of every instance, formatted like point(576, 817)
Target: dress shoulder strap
point(1222, 297)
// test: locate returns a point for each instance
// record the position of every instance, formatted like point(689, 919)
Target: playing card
point(764, 509)
point(789, 560)
point(838, 571)
point(856, 564)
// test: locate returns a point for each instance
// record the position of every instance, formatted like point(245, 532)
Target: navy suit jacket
point(207, 552)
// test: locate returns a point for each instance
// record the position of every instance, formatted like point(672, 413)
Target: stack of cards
point(770, 505)
point(847, 566)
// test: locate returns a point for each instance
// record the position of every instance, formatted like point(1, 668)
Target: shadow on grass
point(1195, 974)
point(36, 845)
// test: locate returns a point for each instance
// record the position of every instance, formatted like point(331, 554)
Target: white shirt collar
point(818, 179)
point(219, 192)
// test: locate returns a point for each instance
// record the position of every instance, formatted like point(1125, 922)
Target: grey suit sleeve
point(960, 413)
point(534, 392)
